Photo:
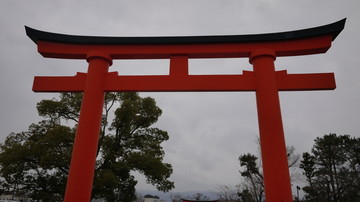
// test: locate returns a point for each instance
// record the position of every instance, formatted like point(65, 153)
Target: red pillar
point(273, 149)
point(81, 174)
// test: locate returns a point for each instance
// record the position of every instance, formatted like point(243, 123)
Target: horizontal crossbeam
point(164, 83)
point(301, 82)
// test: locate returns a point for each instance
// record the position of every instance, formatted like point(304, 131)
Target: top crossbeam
point(291, 43)
point(333, 29)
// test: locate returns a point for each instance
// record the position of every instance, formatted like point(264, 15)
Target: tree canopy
point(332, 169)
point(252, 188)
point(36, 162)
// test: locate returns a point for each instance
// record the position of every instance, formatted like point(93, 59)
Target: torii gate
point(261, 49)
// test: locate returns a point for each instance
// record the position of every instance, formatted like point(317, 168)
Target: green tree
point(246, 196)
point(255, 180)
point(332, 170)
point(253, 186)
point(36, 162)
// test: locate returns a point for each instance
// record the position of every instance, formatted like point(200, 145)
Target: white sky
point(208, 131)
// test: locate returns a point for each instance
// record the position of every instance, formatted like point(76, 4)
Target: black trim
point(333, 29)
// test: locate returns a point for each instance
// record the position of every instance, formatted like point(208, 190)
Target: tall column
point(273, 148)
point(82, 166)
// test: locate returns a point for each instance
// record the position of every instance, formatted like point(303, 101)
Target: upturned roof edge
point(333, 29)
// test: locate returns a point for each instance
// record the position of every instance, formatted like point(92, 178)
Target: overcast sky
point(208, 131)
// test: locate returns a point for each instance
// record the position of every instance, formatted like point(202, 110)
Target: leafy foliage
point(251, 171)
point(36, 162)
point(252, 189)
point(332, 169)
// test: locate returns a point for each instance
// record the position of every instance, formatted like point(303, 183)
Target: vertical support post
point(82, 166)
point(272, 140)
point(179, 66)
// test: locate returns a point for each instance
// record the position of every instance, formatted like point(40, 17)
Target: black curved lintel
point(333, 29)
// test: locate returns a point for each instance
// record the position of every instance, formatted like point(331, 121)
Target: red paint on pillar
point(82, 166)
point(273, 148)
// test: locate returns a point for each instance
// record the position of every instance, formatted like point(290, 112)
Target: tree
point(198, 197)
point(332, 170)
point(151, 196)
point(176, 197)
point(253, 176)
point(246, 196)
point(36, 162)
point(253, 186)
point(228, 193)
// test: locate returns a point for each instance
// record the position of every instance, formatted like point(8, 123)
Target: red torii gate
point(261, 49)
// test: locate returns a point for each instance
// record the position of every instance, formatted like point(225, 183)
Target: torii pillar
point(261, 49)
